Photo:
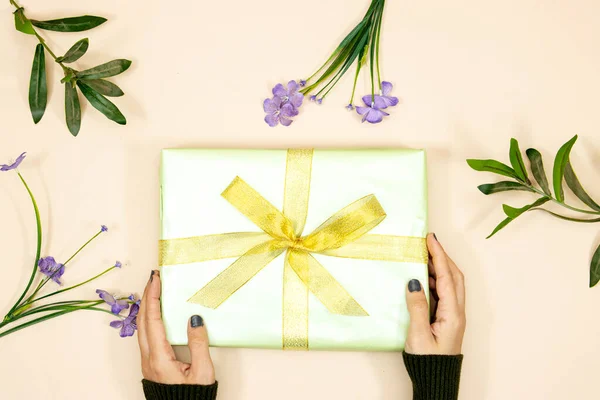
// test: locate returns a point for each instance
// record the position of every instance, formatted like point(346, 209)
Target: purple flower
point(118, 264)
point(103, 228)
point(49, 267)
point(116, 305)
point(383, 100)
point(128, 325)
point(371, 114)
point(14, 165)
point(302, 82)
point(278, 111)
point(319, 101)
point(290, 94)
point(313, 97)
point(350, 107)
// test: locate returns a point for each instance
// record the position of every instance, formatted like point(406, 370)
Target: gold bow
point(342, 235)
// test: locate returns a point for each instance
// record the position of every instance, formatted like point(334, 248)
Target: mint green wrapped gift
point(292, 249)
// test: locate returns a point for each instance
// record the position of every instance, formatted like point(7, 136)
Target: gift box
point(292, 249)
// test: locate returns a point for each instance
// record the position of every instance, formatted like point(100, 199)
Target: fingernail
point(196, 321)
point(435, 237)
point(151, 275)
point(414, 285)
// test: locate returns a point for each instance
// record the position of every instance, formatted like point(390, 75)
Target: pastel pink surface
point(470, 74)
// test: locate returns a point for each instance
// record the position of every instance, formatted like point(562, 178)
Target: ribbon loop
point(258, 209)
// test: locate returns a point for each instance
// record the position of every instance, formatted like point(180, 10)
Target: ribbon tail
point(407, 249)
point(210, 247)
point(323, 285)
point(295, 309)
point(215, 292)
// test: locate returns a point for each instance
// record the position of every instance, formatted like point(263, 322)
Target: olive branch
point(562, 172)
point(90, 81)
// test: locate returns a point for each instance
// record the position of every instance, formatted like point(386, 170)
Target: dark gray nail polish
point(196, 321)
point(414, 285)
point(151, 275)
point(435, 236)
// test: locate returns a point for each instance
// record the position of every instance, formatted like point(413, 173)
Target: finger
point(419, 329)
point(157, 339)
point(141, 324)
point(459, 283)
point(202, 371)
point(445, 286)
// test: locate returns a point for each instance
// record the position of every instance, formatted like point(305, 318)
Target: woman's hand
point(158, 359)
point(447, 287)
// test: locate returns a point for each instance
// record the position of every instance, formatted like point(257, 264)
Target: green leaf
point(512, 212)
point(104, 87)
point(583, 220)
point(500, 226)
point(595, 268)
point(22, 24)
point(72, 109)
point(102, 104)
point(492, 166)
point(72, 24)
point(38, 90)
point(516, 160)
point(75, 52)
point(503, 186)
point(560, 162)
point(575, 186)
point(111, 68)
point(537, 167)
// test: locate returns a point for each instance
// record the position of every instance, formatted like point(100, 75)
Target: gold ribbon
point(343, 235)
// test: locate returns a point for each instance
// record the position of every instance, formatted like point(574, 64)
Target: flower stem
point(38, 248)
point(74, 286)
point(47, 317)
point(44, 281)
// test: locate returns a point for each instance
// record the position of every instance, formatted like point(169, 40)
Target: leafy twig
point(562, 172)
point(90, 81)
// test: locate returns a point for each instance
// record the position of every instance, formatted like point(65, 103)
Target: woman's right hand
point(447, 288)
point(158, 359)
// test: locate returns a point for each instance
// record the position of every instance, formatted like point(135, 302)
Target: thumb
point(419, 330)
point(202, 371)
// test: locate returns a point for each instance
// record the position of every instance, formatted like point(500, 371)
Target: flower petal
point(116, 324)
point(269, 106)
point(279, 90)
point(107, 297)
point(272, 120)
point(390, 101)
point(292, 87)
point(362, 110)
point(374, 116)
point(386, 88)
point(288, 110)
point(127, 330)
point(285, 122)
point(5, 167)
point(296, 99)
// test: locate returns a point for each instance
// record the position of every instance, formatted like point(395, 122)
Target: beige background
point(471, 74)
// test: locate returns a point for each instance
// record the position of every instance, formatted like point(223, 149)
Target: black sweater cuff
point(434, 377)
point(160, 391)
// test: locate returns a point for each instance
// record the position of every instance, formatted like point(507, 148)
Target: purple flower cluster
point(373, 113)
point(284, 104)
point(127, 325)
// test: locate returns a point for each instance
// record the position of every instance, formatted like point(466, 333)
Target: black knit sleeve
point(160, 391)
point(434, 377)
